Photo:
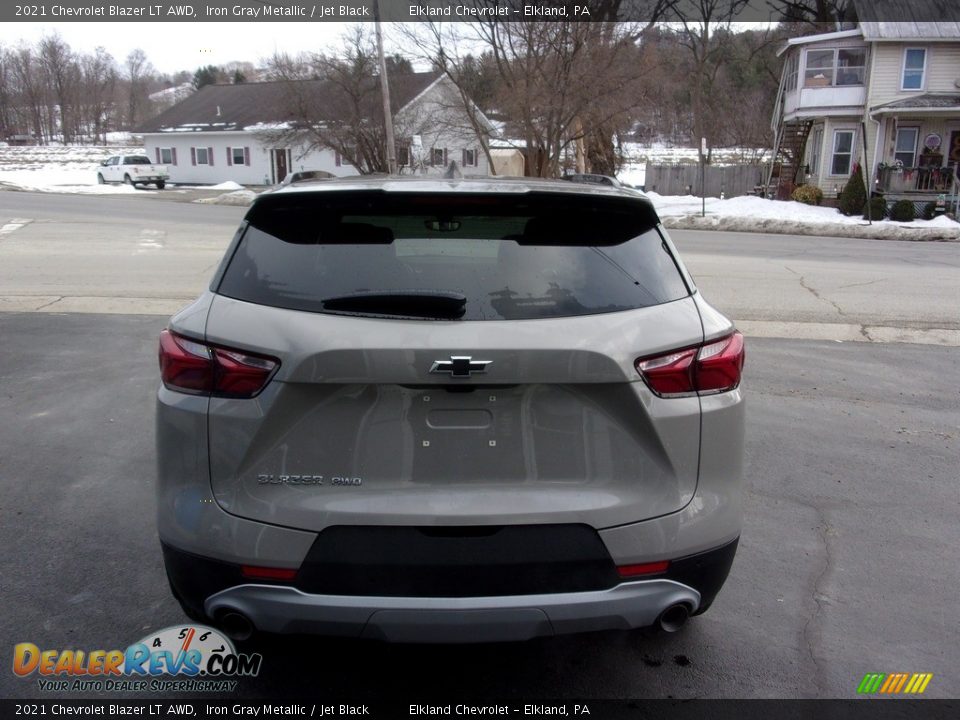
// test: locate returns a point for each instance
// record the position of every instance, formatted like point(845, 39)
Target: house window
point(835, 67)
point(816, 147)
point(438, 156)
point(819, 72)
point(842, 152)
point(914, 68)
point(793, 69)
point(166, 156)
point(239, 156)
point(851, 66)
point(469, 158)
point(342, 160)
point(906, 146)
point(403, 155)
point(202, 157)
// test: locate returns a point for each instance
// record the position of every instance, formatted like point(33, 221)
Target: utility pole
point(385, 93)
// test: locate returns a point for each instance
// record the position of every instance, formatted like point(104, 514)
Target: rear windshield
point(136, 160)
point(469, 257)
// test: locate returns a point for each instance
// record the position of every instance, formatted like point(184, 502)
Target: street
point(147, 255)
point(847, 560)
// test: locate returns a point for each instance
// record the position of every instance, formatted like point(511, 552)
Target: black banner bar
point(202, 709)
point(272, 11)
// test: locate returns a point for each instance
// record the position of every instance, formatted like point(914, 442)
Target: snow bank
point(238, 197)
point(754, 214)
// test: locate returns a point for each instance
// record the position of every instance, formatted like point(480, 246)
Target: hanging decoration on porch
point(932, 142)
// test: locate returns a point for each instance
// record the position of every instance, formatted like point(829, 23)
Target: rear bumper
point(452, 620)
point(213, 588)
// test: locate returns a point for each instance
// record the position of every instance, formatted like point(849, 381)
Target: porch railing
point(894, 179)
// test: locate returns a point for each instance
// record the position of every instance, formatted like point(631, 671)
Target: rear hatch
point(453, 359)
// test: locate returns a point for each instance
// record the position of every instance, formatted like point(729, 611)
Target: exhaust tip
point(236, 625)
point(673, 618)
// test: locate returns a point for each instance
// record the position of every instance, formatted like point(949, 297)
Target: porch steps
point(790, 143)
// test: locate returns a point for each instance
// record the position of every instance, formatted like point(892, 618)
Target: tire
point(100, 180)
point(127, 180)
point(161, 184)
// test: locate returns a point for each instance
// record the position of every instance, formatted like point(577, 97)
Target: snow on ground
point(70, 169)
point(754, 214)
point(73, 169)
point(237, 197)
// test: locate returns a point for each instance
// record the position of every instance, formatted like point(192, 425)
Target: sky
point(172, 47)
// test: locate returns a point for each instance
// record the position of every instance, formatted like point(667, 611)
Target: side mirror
point(104, 163)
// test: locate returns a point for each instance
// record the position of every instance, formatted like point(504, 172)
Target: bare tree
point(557, 82)
point(26, 73)
point(139, 71)
point(706, 35)
point(98, 91)
point(816, 15)
point(333, 101)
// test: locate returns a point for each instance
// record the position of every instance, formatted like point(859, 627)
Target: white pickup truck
point(132, 170)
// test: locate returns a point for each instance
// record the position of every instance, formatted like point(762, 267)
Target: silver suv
point(449, 411)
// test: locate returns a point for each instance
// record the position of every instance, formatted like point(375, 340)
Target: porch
point(918, 149)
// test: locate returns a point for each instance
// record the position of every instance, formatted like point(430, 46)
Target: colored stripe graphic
point(870, 683)
point(894, 683)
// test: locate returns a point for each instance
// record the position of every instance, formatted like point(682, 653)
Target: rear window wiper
point(421, 304)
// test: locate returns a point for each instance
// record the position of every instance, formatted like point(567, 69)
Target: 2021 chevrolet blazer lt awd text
point(449, 411)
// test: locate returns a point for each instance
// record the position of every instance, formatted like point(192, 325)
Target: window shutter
point(246, 156)
point(210, 156)
point(193, 155)
point(463, 157)
point(173, 155)
point(337, 160)
point(445, 157)
point(158, 155)
point(229, 157)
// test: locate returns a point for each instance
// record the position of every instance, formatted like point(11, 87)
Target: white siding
point(826, 180)
point(260, 171)
point(441, 122)
point(435, 116)
point(943, 70)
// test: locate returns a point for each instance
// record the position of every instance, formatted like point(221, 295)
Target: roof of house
point(220, 108)
point(806, 39)
point(898, 20)
point(906, 31)
point(926, 101)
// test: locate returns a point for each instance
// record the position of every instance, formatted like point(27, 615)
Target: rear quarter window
point(507, 257)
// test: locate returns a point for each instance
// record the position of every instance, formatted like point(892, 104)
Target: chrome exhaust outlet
point(236, 625)
point(673, 618)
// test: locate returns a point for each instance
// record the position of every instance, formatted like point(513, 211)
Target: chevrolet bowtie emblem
point(460, 366)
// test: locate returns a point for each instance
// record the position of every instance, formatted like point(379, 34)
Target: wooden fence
point(731, 180)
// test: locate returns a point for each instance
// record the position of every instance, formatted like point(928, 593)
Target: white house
point(223, 132)
point(895, 85)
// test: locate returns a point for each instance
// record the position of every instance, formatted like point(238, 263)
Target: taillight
point(268, 573)
point(652, 568)
point(193, 367)
point(710, 368)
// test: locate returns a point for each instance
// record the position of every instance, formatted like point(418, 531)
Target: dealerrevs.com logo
point(178, 658)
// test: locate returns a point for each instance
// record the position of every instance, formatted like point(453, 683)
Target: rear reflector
point(267, 573)
point(653, 568)
point(196, 368)
point(710, 368)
